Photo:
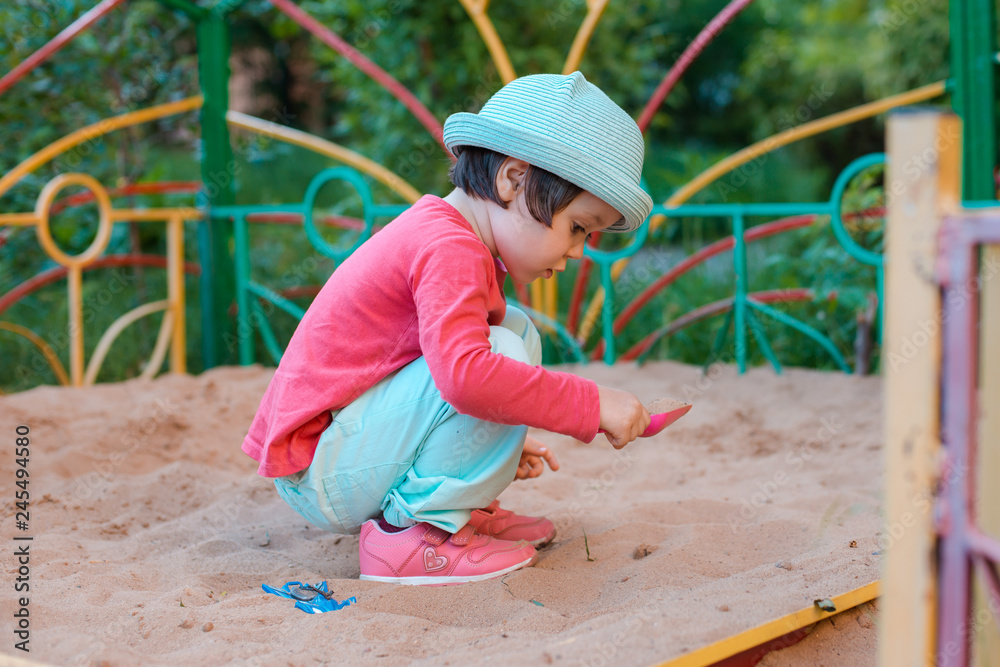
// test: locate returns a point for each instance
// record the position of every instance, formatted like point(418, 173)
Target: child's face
point(531, 250)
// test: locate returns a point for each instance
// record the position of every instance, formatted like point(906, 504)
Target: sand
point(153, 534)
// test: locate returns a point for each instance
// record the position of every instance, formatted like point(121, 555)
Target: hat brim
point(550, 154)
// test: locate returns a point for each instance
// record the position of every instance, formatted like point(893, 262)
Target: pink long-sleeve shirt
point(424, 285)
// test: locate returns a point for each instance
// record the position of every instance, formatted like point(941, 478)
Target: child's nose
point(576, 252)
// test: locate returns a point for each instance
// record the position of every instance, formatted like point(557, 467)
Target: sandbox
point(153, 534)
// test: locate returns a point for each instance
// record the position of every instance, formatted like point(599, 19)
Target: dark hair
point(475, 173)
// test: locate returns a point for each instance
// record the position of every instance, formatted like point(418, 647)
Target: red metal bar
point(580, 287)
point(157, 188)
point(300, 290)
point(522, 293)
point(694, 49)
point(983, 545)
point(988, 572)
point(67, 35)
point(752, 234)
point(700, 313)
point(50, 276)
point(959, 342)
point(341, 221)
point(334, 41)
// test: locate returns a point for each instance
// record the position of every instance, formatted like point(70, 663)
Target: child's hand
point(531, 459)
point(622, 416)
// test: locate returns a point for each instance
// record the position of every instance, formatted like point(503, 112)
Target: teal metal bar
point(607, 311)
point(758, 333)
point(720, 339)
point(728, 210)
point(859, 253)
point(564, 335)
point(191, 10)
point(740, 298)
point(802, 327)
point(244, 327)
point(281, 302)
point(267, 334)
point(217, 173)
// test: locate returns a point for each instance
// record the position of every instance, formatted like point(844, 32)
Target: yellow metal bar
point(780, 627)
point(175, 292)
point(75, 305)
point(537, 295)
point(754, 151)
point(595, 8)
point(44, 347)
point(551, 296)
point(801, 132)
point(24, 219)
point(324, 147)
point(160, 348)
point(91, 132)
point(44, 205)
point(477, 11)
point(155, 214)
point(911, 362)
point(112, 333)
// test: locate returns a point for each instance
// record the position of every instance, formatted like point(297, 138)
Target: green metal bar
point(266, 333)
point(720, 339)
point(195, 12)
point(973, 45)
point(728, 210)
point(801, 327)
point(758, 333)
point(217, 174)
point(740, 298)
point(281, 302)
point(608, 316)
point(564, 335)
point(863, 255)
point(244, 327)
point(879, 292)
point(223, 7)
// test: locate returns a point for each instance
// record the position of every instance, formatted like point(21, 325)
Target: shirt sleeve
point(454, 285)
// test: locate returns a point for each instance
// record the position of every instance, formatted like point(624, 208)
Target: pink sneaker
point(505, 525)
point(425, 555)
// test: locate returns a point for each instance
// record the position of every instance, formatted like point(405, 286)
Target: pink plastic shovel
point(661, 420)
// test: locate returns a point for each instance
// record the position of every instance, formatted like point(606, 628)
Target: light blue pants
point(401, 450)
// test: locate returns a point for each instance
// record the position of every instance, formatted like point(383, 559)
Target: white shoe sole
point(446, 581)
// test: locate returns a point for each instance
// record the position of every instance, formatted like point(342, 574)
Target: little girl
point(401, 406)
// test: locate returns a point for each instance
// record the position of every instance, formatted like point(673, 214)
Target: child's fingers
point(550, 458)
point(532, 446)
point(537, 467)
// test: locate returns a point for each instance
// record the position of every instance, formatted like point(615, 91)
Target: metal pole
point(218, 173)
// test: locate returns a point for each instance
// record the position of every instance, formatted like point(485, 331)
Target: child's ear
point(510, 176)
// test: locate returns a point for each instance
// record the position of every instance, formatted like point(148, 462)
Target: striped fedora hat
point(565, 125)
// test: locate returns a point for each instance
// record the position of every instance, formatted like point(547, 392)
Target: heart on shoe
point(432, 561)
